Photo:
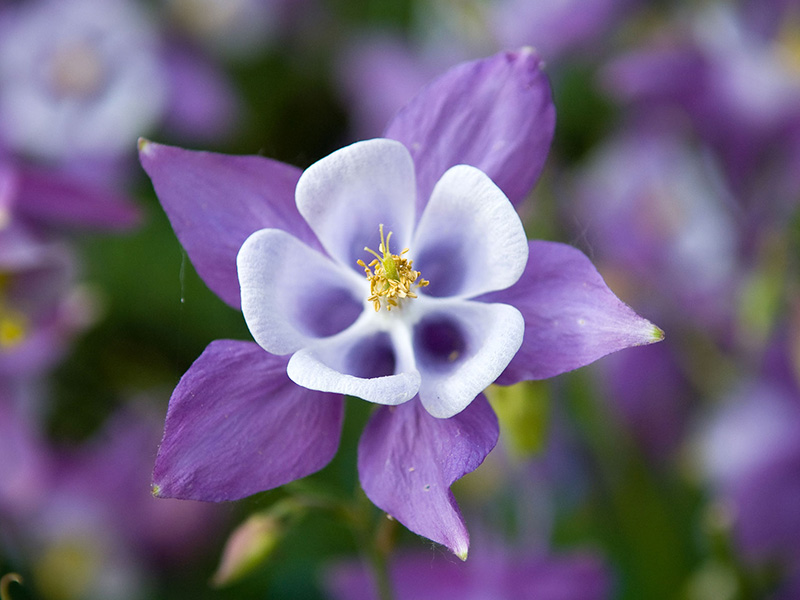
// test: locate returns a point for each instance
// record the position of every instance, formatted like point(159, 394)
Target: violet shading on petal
point(571, 316)
point(457, 119)
point(292, 294)
point(237, 425)
point(345, 196)
point(361, 361)
point(61, 199)
point(461, 347)
point(469, 239)
point(214, 202)
point(407, 461)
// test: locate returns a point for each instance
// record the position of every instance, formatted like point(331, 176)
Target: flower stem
point(376, 540)
point(5, 583)
point(383, 544)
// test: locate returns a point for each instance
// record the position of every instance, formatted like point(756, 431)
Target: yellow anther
point(13, 328)
point(390, 276)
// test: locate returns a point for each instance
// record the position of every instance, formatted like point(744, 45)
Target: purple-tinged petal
point(61, 199)
point(348, 194)
point(109, 474)
point(377, 75)
point(407, 461)
point(461, 347)
point(496, 573)
point(26, 468)
point(215, 202)
point(571, 317)
point(496, 114)
point(237, 425)
point(292, 294)
point(376, 366)
point(469, 239)
point(674, 72)
point(80, 78)
point(651, 395)
point(557, 28)
point(752, 428)
point(766, 507)
point(202, 104)
point(8, 191)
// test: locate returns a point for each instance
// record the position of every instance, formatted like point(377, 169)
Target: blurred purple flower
point(379, 73)
point(751, 454)
point(233, 28)
point(40, 307)
point(499, 574)
point(76, 517)
point(26, 466)
point(651, 396)
point(83, 79)
point(303, 295)
point(656, 211)
point(79, 82)
point(558, 28)
point(738, 82)
point(120, 456)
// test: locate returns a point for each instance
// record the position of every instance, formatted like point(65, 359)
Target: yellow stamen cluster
point(13, 328)
point(13, 323)
point(390, 276)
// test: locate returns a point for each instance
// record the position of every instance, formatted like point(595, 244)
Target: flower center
point(13, 323)
point(390, 276)
point(77, 70)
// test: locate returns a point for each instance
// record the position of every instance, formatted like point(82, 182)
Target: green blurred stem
point(375, 537)
point(376, 540)
point(5, 582)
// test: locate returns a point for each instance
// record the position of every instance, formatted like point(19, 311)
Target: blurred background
point(665, 472)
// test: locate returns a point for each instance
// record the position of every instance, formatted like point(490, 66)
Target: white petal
point(469, 240)
point(348, 363)
point(346, 196)
point(461, 347)
point(292, 294)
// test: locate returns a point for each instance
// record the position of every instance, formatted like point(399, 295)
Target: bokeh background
point(665, 472)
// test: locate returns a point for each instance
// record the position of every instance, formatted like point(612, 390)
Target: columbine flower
point(390, 336)
point(79, 79)
point(85, 533)
point(750, 454)
point(249, 417)
point(37, 302)
point(381, 71)
point(656, 207)
point(733, 70)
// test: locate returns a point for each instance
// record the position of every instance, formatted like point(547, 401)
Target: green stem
point(379, 564)
point(376, 542)
point(375, 537)
point(5, 582)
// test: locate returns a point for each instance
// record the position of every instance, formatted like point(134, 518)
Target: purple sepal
point(496, 114)
point(407, 461)
point(571, 317)
point(237, 425)
point(214, 202)
point(51, 197)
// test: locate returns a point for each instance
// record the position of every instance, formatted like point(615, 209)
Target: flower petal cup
point(395, 270)
point(432, 341)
